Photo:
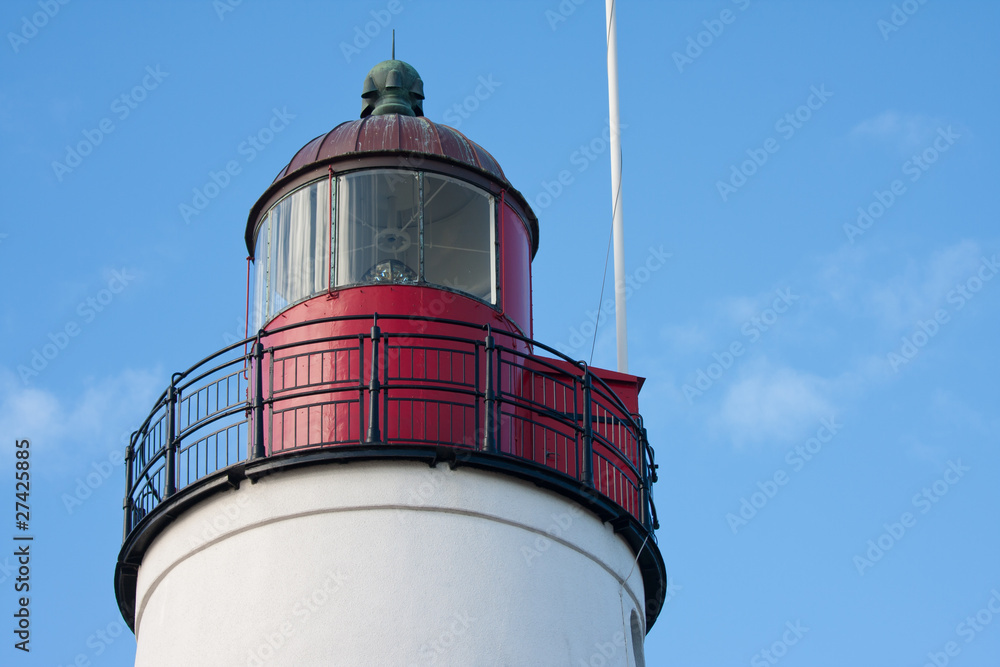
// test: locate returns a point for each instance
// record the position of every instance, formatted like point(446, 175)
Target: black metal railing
point(283, 392)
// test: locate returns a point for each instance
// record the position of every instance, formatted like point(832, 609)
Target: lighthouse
point(390, 470)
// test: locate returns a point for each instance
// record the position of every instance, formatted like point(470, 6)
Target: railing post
point(644, 482)
point(373, 388)
point(129, 471)
point(650, 468)
point(489, 419)
point(588, 432)
point(170, 472)
point(258, 400)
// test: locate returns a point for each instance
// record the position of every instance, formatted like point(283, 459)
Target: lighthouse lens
point(390, 271)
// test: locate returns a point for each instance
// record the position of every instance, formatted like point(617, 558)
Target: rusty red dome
point(394, 133)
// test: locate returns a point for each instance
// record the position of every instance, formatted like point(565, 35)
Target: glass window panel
point(259, 302)
point(458, 239)
point(299, 253)
point(378, 221)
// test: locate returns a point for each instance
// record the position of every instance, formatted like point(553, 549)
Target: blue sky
point(820, 344)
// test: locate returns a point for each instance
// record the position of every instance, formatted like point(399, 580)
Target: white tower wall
point(387, 563)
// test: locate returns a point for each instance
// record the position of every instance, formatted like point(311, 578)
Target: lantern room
point(393, 200)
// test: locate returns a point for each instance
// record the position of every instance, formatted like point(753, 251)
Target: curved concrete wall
point(387, 563)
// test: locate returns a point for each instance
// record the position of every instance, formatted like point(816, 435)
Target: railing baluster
point(644, 517)
point(576, 432)
point(475, 409)
point(361, 388)
point(129, 472)
point(489, 419)
point(258, 400)
point(588, 431)
point(170, 473)
point(373, 388)
point(385, 387)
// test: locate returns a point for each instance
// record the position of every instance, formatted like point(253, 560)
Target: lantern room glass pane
point(378, 228)
point(458, 237)
point(300, 246)
point(259, 302)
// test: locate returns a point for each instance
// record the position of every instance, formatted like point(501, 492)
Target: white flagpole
point(616, 188)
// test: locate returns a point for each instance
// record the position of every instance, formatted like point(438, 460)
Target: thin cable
point(607, 254)
point(621, 598)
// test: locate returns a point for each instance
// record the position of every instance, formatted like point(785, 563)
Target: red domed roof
point(391, 133)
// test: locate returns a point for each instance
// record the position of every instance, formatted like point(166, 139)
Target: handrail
point(160, 439)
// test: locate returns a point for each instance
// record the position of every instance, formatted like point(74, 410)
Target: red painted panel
point(516, 269)
point(432, 377)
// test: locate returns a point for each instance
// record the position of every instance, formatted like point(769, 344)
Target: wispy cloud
point(771, 404)
point(855, 281)
point(820, 359)
point(91, 423)
point(906, 132)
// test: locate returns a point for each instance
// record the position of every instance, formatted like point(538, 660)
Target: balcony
point(427, 389)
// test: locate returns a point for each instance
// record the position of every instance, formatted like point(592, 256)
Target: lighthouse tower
point(391, 471)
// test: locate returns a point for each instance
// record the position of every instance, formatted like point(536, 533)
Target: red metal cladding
point(515, 285)
point(316, 383)
point(432, 378)
point(394, 133)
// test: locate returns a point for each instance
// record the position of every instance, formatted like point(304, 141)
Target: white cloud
point(89, 425)
point(685, 337)
point(922, 287)
point(895, 302)
point(774, 405)
point(905, 131)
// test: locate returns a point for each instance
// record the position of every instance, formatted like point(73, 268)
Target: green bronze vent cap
point(392, 86)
